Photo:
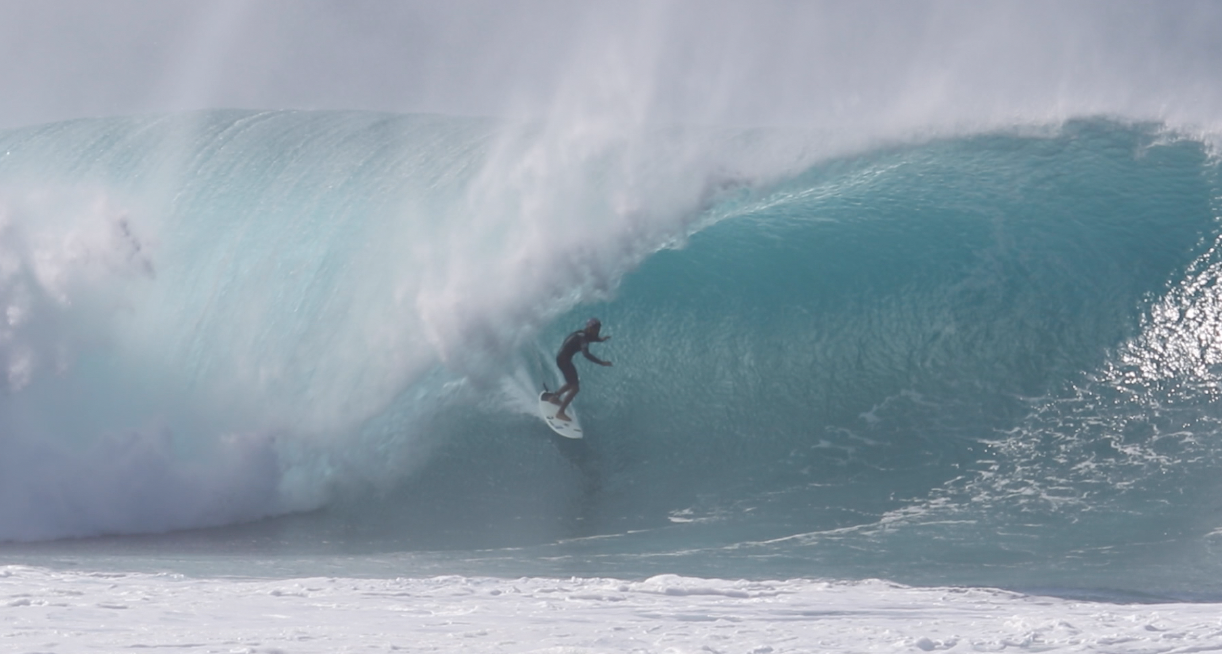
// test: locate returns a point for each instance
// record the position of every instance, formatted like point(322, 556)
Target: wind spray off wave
point(216, 317)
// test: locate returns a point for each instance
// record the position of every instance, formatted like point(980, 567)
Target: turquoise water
point(313, 339)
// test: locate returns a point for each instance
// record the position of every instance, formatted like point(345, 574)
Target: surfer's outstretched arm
point(595, 359)
point(585, 351)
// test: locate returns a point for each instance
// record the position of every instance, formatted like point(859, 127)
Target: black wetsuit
point(578, 341)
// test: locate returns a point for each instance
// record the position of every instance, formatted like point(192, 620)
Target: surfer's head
point(592, 326)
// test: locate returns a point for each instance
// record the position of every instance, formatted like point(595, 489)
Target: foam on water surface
point(53, 611)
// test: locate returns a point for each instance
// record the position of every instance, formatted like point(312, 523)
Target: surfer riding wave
point(578, 341)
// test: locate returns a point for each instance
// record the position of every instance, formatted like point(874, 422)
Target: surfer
point(578, 341)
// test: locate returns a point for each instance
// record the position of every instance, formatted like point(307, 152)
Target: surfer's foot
point(560, 415)
point(548, 397)
point(553, 398)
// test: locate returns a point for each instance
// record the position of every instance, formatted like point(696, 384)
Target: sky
point(838, 63)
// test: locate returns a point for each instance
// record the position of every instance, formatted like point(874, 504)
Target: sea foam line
point(81, 610)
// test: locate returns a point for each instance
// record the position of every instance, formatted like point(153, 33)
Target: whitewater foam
point(44, 608)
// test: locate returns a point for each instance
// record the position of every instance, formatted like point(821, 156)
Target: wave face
point(985, 359)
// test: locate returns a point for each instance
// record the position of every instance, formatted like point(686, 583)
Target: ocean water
point(956, 391)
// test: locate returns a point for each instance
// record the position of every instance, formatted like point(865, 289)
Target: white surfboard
point(566, 428)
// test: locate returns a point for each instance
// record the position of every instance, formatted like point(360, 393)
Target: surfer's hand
point(606, 363)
